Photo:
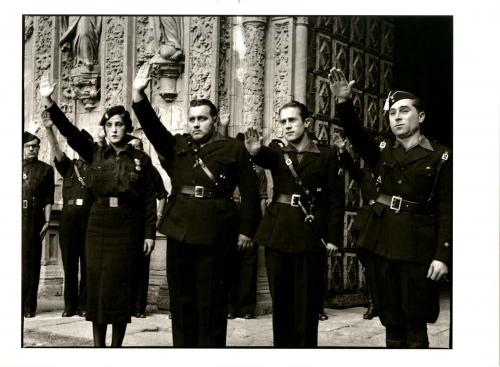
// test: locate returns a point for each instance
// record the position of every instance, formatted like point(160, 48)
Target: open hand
point(341, 89)
point(46, 121)
point(339, 141)
point(142, 78)
point(253, 141)
point(46, 88)
point(224, 116)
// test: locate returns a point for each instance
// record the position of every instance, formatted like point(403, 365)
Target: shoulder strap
point(443, 160)
point(80, 178)
point(298, 180)
point(198, 161)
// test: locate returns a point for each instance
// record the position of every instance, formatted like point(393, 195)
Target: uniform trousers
point(295, 283)
point(243, 287)
point(197, 277)
point(405, 298)
point(72, 231)
point(31, 257)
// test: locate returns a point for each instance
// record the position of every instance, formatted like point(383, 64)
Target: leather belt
point(292, 200)
point(76, 202)
point(397, 204)
point(114, 201)
point(202, 192)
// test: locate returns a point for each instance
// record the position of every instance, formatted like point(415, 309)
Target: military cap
point(395, 96)
point(118, 110)
point(27, 136)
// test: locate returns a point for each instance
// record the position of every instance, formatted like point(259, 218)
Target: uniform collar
point(215, 137)
point(108, 149)
point(310, 147)
point(422, 141)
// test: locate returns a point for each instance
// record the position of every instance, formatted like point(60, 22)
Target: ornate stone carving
point(341, 56)
point(203, 58)
point(373, 34)
point(43, 54)
point(371, 112)
point(351, 277)
point(28, 27)
point(253, 82)
point(146, 46)
point(341, 27)
point(168, 34)
point(372, 73)
point(385, 77)
point(43, 36)
point(323, 97)
point(387, 44)
point(321, 130)
point(114, 65)
point(358, 30)
point(356, 67)
point(224, 63)
point(83, 34)
point(66, 90)
point(282, 65)
point(324, 53)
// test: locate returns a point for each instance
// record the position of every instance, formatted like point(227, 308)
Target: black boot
point(371, 312)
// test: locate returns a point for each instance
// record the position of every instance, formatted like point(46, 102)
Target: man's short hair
point(205, 102)
point(419, 104)
point(303, 111)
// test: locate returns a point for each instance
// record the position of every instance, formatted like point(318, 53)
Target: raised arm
point(161, 139)
point(353, 128)
point(78, 142)
point(260, 154)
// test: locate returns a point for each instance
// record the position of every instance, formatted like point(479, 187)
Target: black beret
point(27, 136)
point(117, 110)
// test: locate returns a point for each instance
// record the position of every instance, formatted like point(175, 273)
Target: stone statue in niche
point(168, 63)
point(83, 33)
point(168, 32)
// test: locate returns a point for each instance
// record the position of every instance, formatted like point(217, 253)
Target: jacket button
point(400, 182)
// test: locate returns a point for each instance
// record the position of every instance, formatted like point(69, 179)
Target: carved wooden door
point(363, 48)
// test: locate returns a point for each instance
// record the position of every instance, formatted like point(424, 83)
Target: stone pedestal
point(85, 86)
point(167, 71)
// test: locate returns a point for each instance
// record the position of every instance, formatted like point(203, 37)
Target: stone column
point(300, 72)
point(254, 66)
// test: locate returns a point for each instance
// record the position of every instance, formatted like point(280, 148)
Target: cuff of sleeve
point(150, 233)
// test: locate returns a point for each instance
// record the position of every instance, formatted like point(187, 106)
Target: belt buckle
point(25, 204)
point(79, 202)
point(396, 202)
point(295, 201)
point(113, 202)
point(199, 191)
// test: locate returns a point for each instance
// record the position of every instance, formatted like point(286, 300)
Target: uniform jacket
point(127, 175)
point(203, 220)
point(38, 188)
point(161, 192)
point(72, 187)
point(405, 236)
point(283, 227)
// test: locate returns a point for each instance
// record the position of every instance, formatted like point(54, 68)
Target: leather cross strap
point(444, 158)
point(198, 161)
point(80, 178)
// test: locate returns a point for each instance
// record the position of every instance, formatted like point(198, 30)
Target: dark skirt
point(113, 247)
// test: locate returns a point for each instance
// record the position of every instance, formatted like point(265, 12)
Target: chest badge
point(137, 164)
point(25, 176)
point(379, 179)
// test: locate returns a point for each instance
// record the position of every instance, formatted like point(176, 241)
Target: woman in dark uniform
point(122, 216)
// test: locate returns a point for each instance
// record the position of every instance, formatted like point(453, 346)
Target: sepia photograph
point(239, 185)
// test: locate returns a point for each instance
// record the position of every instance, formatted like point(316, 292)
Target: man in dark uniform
point(161, 197)
point(409, 238)
point(72, 222)
point(38, 197)
point(305, 216)
point(201, 219)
